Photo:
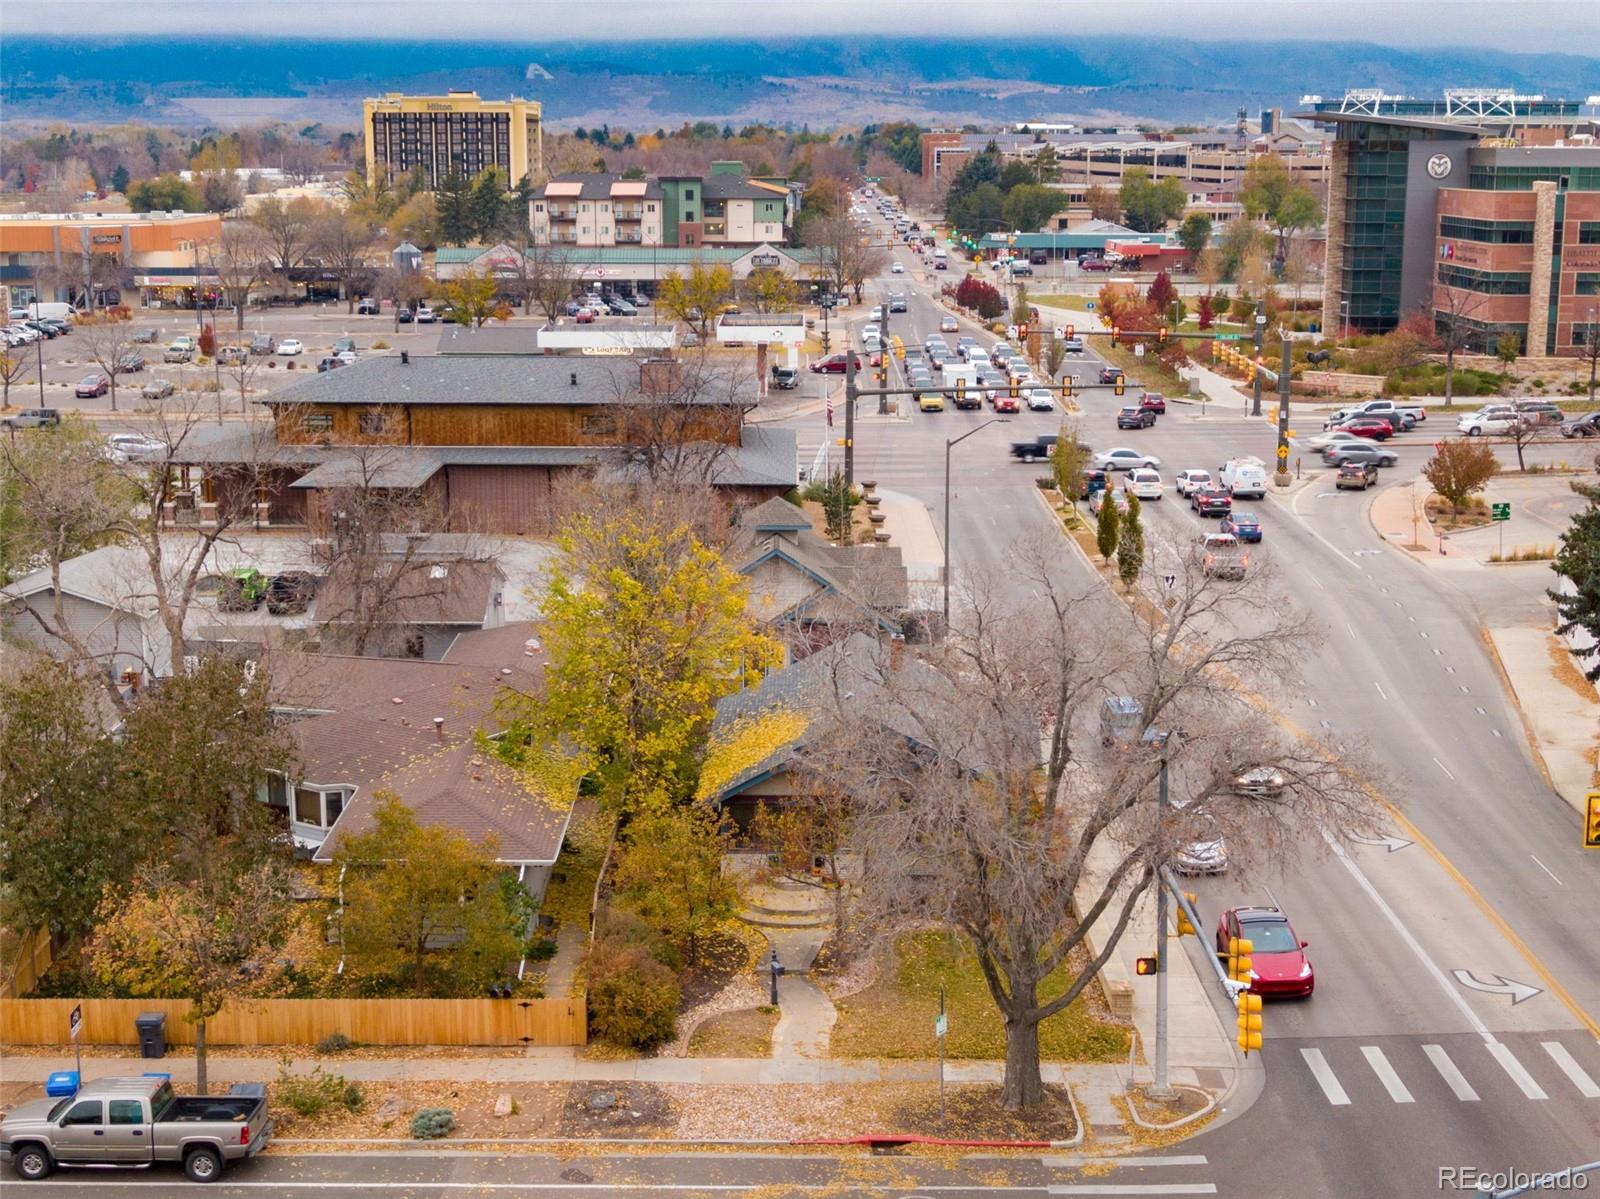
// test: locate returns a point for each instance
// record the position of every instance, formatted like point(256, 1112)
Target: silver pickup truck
point(134, 1122)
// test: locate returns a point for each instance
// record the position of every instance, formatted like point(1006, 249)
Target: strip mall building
point(58, 256)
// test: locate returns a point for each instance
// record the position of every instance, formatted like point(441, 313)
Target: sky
point(1569, 26)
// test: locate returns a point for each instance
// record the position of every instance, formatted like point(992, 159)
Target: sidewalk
point(910, 526)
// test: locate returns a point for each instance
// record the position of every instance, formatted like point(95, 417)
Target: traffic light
point(1239, 960)
point(1185, 929)
point(961, 391)
point(1116, 333)
point(1161, 338)
point(1249, 1008)
point(1022, 332)
point(1014, 392)
point(1119, 387)
point(1213, 351)
point(1591, 822)
point(1066, 388)
point(1144, 966)
point(1071, 332)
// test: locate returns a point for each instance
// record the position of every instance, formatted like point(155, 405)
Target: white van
point(1245, 478)
point(941, 260)
point(55, 312)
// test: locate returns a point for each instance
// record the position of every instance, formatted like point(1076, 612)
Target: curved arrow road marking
point(1500, 986)
point(1389, 842)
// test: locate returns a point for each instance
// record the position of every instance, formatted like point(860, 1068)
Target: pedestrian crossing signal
point(1071, 332)
point(1144, 966)
point(1249, 1007)
point(1591, 821)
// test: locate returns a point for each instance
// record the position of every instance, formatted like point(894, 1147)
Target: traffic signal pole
point(1283, 417)
point(1161, 1088)
point(1260, 330)
point(850, 393)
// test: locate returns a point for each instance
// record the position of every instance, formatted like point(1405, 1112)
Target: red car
point(1278, 962)
point(1374, 427)
point(1095, 264)
point(1154, 401)
point(833, 364)
point(90, 386)
point(1004, 402)
point(584, 316)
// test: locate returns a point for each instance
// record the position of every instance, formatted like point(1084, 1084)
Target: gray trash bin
point(251, 1090)
point(152, 1034)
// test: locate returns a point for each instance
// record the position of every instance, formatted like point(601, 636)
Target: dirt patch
point(390, 1106)
point(723, 956)
point(743, 1033)
point(974, 1113)
point(1187, 1103)
point(1474, 514)
point(1563, 667)
point(617, 1109)
point(1160, 1138)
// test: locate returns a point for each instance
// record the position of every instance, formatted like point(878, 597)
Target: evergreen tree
point(1106, 530)
point(1130, 543)
point(1579, 563)
point(453, 198)
point(119, 179)
point(486, 204)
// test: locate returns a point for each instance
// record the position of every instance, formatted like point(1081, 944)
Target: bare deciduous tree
point(680, 418)
point(289, 230)
point(238, 259)
point(107, 343)
point(13, 369)
point(550, 277)
point(344, 241)
point(847, 254)
point(1454, 325)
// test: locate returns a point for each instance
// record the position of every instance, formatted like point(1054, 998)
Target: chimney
point(405, 357)
point(438, 728)
point(573, 378)
point(660, 376)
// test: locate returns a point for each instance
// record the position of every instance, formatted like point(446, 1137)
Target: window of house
point(307, 806)
point(538, 207)
point(689, 194)
point(586, 229)
point(318, 422)
point(649, 207)
point(604, 207)
point(277, 791)
point(374, 424)
point(587, 207)
point(332, 806)
point(688, 214)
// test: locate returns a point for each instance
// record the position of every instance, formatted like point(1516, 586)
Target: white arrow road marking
point(1388, 841)
point(1500, 986)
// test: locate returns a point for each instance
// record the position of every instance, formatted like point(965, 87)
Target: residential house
point(407, 604)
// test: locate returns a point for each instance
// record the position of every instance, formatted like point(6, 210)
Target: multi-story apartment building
point(723, 208)
point(458, 131)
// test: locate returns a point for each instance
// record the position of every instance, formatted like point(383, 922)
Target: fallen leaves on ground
point(744, 1032)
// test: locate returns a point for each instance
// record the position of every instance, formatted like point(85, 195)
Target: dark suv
point(1211, 501)
point(1136, 417)
point(1110, 374)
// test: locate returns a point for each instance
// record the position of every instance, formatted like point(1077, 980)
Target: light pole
point(1161, 1087)
point(1260, 333)
point(948, 445)
point(1591, 350)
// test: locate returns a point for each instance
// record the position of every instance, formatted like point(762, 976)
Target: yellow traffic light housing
point(1143, 966)
point(1161, 338)
point(1116, 333)
point(1591, 821)
point(1066, 388)
point(1186, 929)
point(1014, 392)
point(1119, 385)
point(1250, 1027)
point(961, 390)
point(1239, 961)
point(1213, 351)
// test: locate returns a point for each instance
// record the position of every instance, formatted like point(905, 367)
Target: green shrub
point(317, 1093)
point(431, 1123)
point(633, 999)
point(626, 927)
point(334, 1042)
point(541, 950)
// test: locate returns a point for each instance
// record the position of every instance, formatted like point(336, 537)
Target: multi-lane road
point(1458, 963)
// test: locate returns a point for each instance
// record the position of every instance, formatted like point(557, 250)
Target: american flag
point(830, 412)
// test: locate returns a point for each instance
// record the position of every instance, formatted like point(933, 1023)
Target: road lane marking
point(1496, 732)
point(1547, 870)
point(1465, 690)
point(1120, 1188)
point(1423, 633)
point(1480, 712)
point(1449, 670)
point(1519, 1074)
point(1453, 1078)
point(1351, 628)
point(1444, 768)
point(1587, 1087)
point(1073, 1163)
point(1386, 1075)
point(1326, 1079)
point(1311, 701)
point(1380, 688)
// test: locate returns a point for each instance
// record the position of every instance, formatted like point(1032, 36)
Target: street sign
point(75, 1021)
point(941, 1025)
point(1138, 350)
point(1090, 306)
point(1500, 511)
point(1283, 451)
point(1170, 580)
point(1227, 337)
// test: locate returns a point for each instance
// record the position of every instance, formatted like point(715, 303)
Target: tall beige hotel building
point(458, 130)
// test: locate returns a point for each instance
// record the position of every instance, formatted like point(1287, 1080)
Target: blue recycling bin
point(61, 1083)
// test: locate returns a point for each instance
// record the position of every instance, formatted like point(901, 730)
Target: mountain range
point(821, 82)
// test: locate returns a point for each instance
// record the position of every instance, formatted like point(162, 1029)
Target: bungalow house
point(407, 606)
point(364, 725)
point(812, 589)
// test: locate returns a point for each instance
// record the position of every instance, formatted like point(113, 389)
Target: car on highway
point(1491, 418)
point(1154, 401)
point(1246, 526)
point(1587, 425)
point(1373, 428)
point(1124, 458)
point(1073, 344)
point(897, 302)
point(1278, 962)
point(1355, 476)
point(157, 389)
point(289, 347)
point(1191, 479)
point(90, 386)
point(1332, 437)
point(1040, 399)
point(1222, 557)
point(1110, 374)
point(965, 346)
point(1211, 500)
point(931, 400)
point(1202, 849)
point(1354, 451)
point(1135, 417)
point(1144, 483)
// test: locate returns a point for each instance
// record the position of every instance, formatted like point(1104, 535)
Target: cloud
point(1527, 25)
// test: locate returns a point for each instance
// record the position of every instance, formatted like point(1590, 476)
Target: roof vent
point(574, 377)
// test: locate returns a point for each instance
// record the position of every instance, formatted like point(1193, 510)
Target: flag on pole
point(830, 412)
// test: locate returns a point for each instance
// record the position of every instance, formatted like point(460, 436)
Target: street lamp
point(1260, 333)
point(1161, 1088)
point(948, 445)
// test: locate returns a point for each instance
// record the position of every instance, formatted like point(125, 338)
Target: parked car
point(1094, 264)
point(1278, 961)
point(1355, 476)
point(128, 364)
point(145, 337)
point(1135, 417)
point(1123, 458)
point(90, 386)
point(291, 593)
point(232, 355)
point(263, 343)
point(1144, 483)
point(1154, 401)
point(32, 418)
point(584, 315)
point(426, 315)
point(158, 389)
point(1191, 479)
point(620, 307)
point(133, 1123)
point(123, 447)
point(1243, 525)
point(329, 362)
point(291, 347)
point(1222, 557)
point(1211, 500)
point(368, 307)
point(1099, 499)
point(1352, 451)
point(180, 349)
point(1587, 425)
point(404, 315)
point(785, 378)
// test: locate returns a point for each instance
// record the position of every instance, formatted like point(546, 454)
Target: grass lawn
point(1076, 303)
point(894, 1017)
point(743, 1033)
point(1148, 371)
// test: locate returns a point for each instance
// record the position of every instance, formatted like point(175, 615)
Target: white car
point(1493, 419)
point(291, 346)
point(1144, 483)
point(425, 315)
point(347, 356)
point(875, 315)
point(1040, 400)
point(898, 268)
point(1192, 480)
point(1332, 437)
point(1124, 458)
point(948, 324)
point(121, 447)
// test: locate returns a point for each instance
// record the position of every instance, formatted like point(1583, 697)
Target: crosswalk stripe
point(1386, 1075)
point(1518, 1072)
point(1569, 1066)
point(1323, 1073)
point(1447, 1070)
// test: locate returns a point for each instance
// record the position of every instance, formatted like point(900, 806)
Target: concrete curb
point(1211, 1105)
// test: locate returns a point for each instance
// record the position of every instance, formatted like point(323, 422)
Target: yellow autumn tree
point(646, 629)
point(470, 298)
point(696, 298)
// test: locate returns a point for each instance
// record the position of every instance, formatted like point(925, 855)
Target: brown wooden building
point(492, 439)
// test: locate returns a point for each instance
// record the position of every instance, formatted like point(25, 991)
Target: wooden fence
point(307, 1021)
point(26, 957)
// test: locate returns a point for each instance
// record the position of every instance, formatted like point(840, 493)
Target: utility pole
point(1282, 479)
point(1161, 1087)
point(850, 394)
point(1260, 331)
point(885, 353)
